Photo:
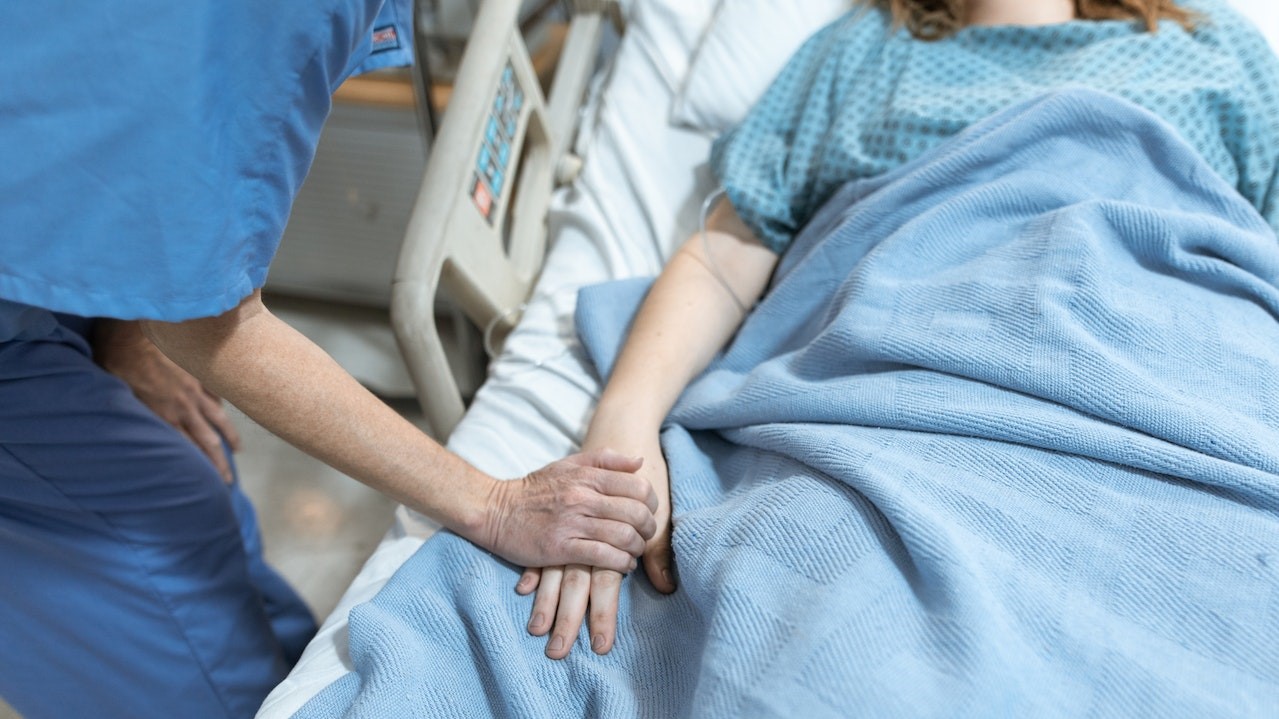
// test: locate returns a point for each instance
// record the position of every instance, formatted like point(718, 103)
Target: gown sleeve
point(767, 164)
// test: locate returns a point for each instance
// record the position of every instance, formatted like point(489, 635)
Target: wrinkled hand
point(590, 508)
point(167, 389)
point(565, 593)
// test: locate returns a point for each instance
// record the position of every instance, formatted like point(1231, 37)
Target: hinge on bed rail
point(567, 169)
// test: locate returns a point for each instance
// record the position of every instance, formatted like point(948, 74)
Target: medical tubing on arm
point(711, 265)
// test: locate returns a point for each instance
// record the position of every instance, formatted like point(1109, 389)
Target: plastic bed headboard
point(478, 228)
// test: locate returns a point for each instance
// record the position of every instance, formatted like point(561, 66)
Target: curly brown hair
point(936, 19)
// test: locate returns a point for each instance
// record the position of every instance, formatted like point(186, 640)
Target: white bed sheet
point(637, 199)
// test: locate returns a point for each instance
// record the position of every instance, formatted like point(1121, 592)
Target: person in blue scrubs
point(149, 155)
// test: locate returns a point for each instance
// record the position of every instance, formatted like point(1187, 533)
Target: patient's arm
point(686, 319)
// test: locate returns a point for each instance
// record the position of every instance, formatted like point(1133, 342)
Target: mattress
point(638, 197)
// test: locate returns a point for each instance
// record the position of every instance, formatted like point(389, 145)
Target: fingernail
point(666, 576)
point(598, 642)
point(557, 644)
point(535, 622)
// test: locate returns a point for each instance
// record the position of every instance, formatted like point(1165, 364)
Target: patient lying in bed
point(999, 439)
point(860, 99)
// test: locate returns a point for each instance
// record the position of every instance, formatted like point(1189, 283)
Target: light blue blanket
point(1002, 440)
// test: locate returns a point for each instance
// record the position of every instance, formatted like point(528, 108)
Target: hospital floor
point(318, 525)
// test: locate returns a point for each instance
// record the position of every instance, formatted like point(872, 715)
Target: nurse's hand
point(590, 508)
point(167, 389)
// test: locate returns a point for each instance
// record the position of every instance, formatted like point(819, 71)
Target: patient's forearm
point(290, 386)
point(686, 319)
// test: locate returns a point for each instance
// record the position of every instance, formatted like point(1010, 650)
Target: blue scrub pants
point(131, 576)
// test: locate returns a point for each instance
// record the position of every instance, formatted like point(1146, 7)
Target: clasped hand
point(564, 593)
point(589, 508)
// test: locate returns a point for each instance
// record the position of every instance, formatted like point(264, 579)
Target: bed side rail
point(478, 228)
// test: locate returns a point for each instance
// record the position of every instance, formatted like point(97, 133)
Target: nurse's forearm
point(586, 509)
point(290, 386)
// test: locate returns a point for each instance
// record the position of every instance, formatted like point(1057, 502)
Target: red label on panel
point(483, 198)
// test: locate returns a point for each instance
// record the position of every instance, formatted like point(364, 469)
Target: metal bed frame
point(477, 233)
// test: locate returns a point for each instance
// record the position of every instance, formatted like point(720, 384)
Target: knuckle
point(626, 538)
point(600, 618)
point(642, 523)
point(599, 556)
point(638, 514)
point(607, 578)
point(577, 496)
point(575, 580)
point(650, 529)
point(545, 604)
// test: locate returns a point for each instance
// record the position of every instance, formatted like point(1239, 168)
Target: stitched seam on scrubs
point(257, 222)
point(141, 566)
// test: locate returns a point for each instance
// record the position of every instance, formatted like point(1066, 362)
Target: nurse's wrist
point(118, 334)
point(469, 513)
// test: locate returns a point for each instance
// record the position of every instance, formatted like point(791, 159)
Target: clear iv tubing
point(545, 363)
point(707, 204)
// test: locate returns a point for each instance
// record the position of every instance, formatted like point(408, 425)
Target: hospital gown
point(861, 98)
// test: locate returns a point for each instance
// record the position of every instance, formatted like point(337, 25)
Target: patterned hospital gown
point(860, 99)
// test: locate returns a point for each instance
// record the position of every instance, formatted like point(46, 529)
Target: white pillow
point(670, 31)
point(1265, 15)
point(724, 82)
point(746, 46)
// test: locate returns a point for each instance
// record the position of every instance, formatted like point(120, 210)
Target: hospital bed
point(625, 145)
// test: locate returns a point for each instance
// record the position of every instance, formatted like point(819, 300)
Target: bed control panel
point(493, 163)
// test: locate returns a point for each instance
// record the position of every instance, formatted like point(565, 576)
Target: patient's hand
point(565, 593)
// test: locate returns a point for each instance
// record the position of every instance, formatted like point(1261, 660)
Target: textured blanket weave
point(1002, 440)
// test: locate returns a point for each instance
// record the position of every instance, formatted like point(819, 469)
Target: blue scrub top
point(150, 151)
